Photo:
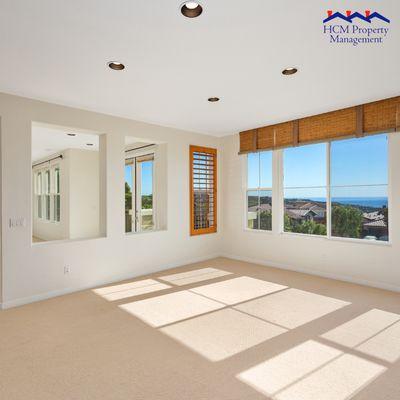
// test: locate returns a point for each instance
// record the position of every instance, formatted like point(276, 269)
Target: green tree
point(347, 221)
point(128, 197)
point(384, 211)
point(306, 226)
point(288, 225)
point(311, 227)
point(147, 201)
point(266, 220)
point(128, 207)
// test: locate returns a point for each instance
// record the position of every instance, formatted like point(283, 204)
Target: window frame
point(47, 189)
point(214, 228)
point(326, 187)
point(259, 190)
point(135, 159)
point(278, 208)
point(56, 193)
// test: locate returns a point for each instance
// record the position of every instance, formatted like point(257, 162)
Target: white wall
point(31, 272)
point(84, 194)
point(373, 264)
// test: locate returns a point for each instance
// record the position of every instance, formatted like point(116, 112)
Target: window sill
point(333, 238)
point(258, 231)
point(65, 241)
point(339, 239)
point(362, 241)
point(130, 234)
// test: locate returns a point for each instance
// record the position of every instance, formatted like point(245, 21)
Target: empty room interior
point(199, 200)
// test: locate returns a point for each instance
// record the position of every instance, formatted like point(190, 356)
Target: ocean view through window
point(359, 188)
point(305, 189)
point(337, 189)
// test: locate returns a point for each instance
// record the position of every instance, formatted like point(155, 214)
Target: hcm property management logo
point(356, 28)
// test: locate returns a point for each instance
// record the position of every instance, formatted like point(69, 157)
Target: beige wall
point(84, 194)
point(362, 262)
point(32, 272)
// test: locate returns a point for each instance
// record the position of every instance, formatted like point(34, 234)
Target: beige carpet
point(222, 330)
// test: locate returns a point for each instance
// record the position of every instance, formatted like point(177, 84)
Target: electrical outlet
point(19, 222)
point(66, 270)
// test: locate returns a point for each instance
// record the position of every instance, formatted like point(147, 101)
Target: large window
point(259, 191)
point(359, 188)
point(336, 189)
point(139, 199)
point(305, 192)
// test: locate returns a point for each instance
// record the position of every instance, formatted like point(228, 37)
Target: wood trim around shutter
point(371, 118)
point(205, 175)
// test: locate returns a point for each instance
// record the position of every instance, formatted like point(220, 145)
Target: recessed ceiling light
point(71, 134)
point(289, 71)
point(191, 9)
point(213, 99)
point(116, 65)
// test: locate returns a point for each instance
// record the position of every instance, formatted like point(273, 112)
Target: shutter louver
point(203, 190)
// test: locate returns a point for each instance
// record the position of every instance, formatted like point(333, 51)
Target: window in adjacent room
point(56, 195)
point(38, 195)
point(259, 191)
point(68, 183)
point(359, 188)
point(139, 193)
point(305, 189)
point(47, 195)
point(203, 190)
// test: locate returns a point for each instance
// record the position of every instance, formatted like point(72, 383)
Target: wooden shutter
point(203, 190)
point(372, 118)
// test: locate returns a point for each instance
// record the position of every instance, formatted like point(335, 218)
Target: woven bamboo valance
point(372, 118)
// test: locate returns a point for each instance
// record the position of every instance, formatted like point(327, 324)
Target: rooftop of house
point(375, 224)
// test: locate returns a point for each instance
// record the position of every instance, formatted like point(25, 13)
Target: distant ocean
point(377, 202)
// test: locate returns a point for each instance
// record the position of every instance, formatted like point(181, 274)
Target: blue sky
point(147, 177)
point(353, 162)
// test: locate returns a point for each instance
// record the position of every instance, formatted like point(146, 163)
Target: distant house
point(252, 214)
point(374, 224)
point(261, 207)
point(305, 210)
point(298, 214)
point(316, 208)
point(373, 216)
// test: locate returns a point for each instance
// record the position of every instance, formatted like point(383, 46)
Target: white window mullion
point(277, 192)
point(328, 191)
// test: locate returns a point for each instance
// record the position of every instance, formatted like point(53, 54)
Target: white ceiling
point(57, 50)
point(49, 140)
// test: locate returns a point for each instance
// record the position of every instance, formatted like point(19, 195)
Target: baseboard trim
point(344, 278)
point(323, 274)
point(61, 292)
